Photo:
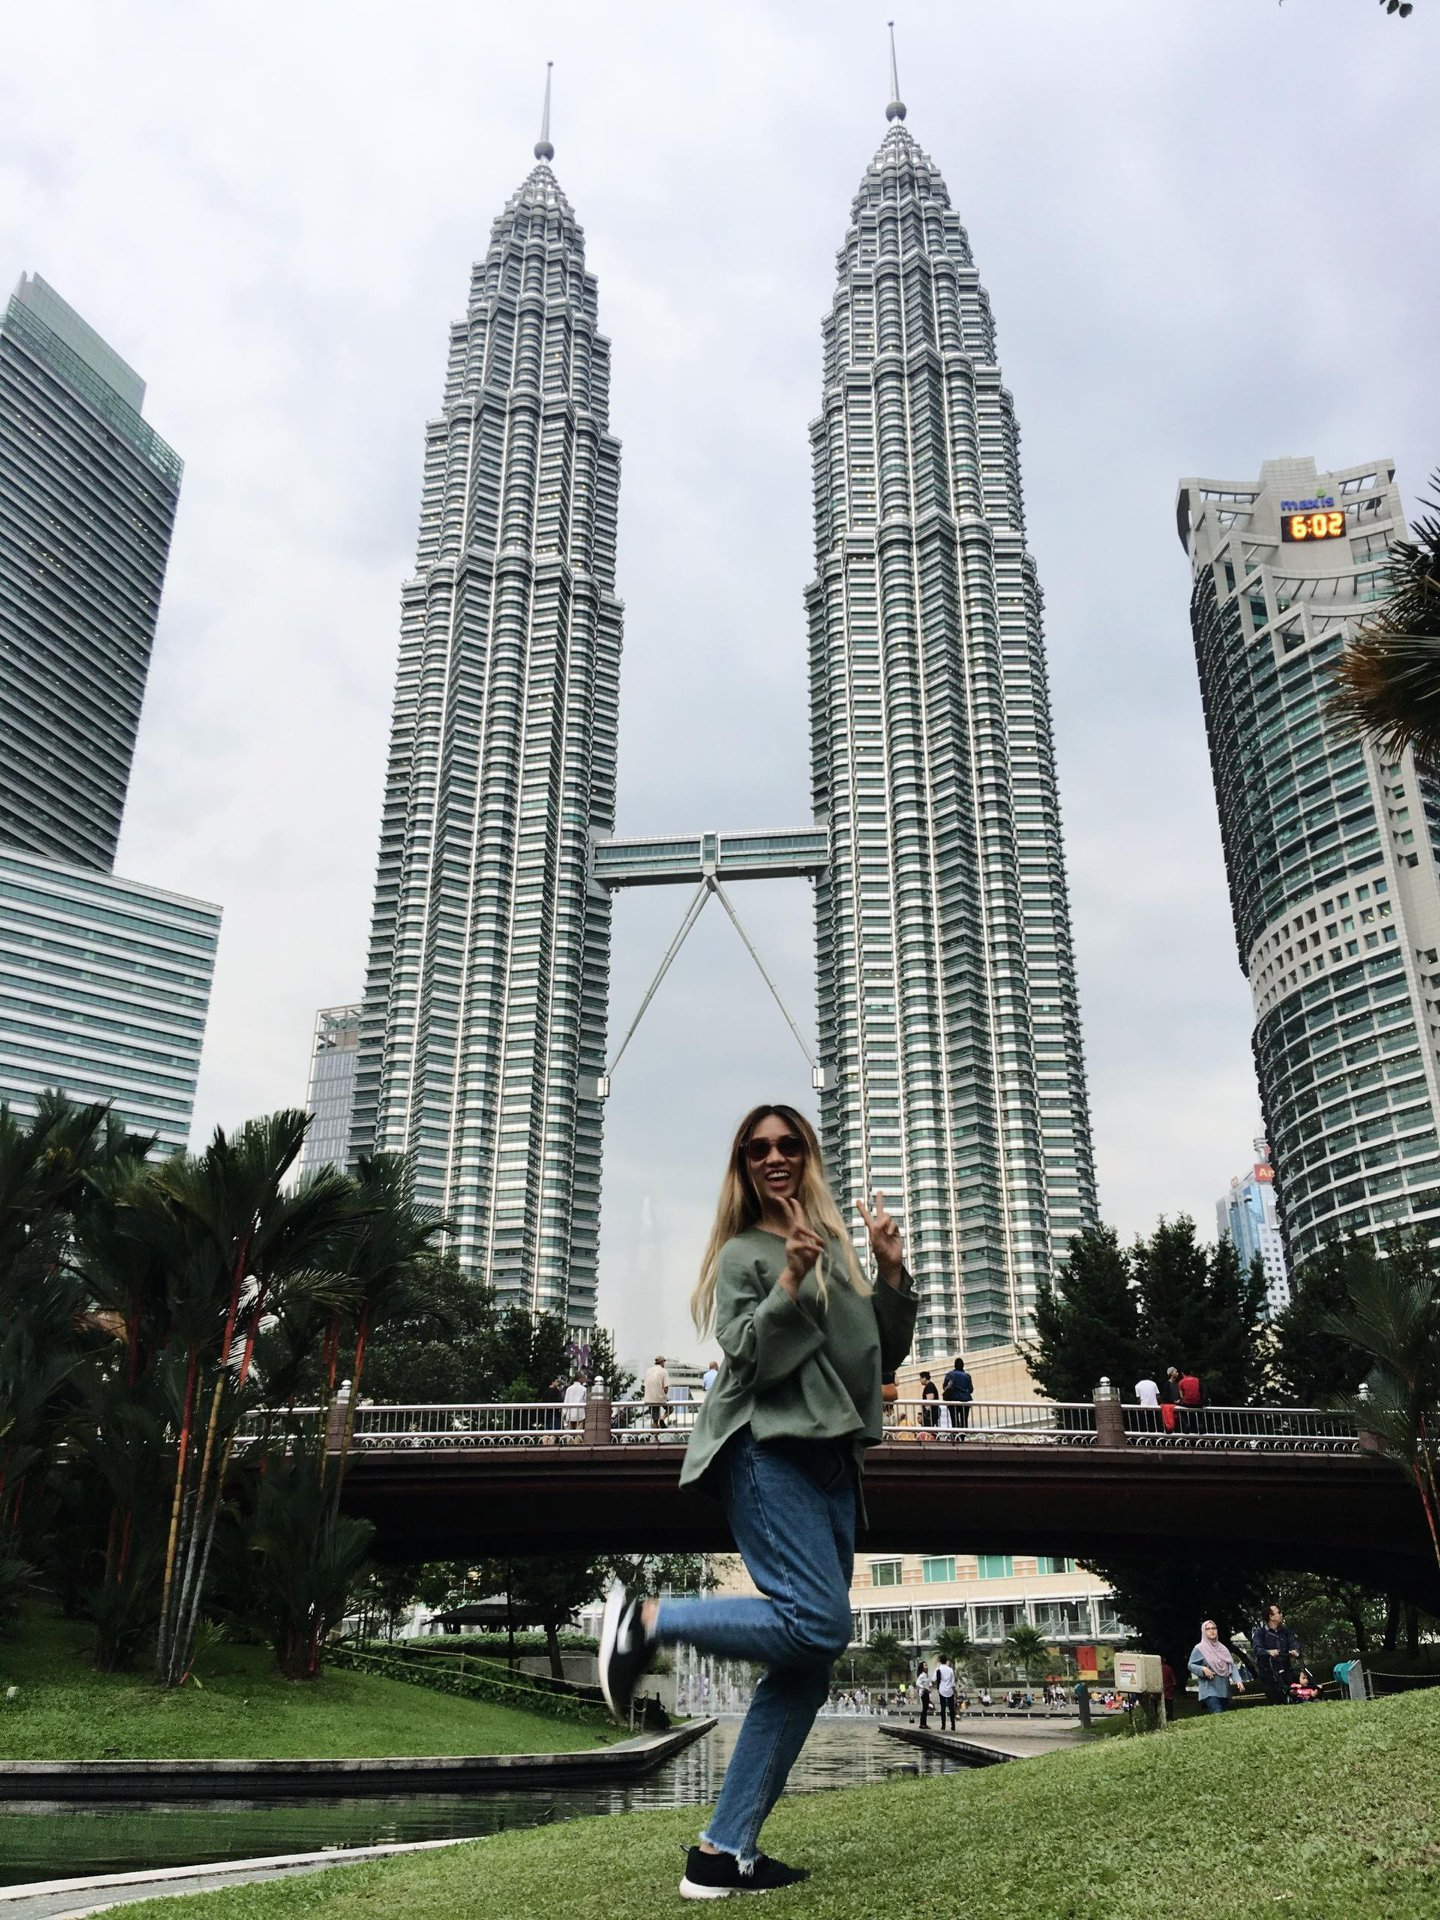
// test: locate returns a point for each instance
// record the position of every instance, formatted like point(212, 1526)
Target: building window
point(938, 1567)
point(996, 1566)
point(885, 1573)
point(1054, 1563)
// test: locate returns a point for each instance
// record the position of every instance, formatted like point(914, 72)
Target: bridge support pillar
point(598, 1431)
point(1109, 1417)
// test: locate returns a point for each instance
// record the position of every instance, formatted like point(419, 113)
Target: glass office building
point(104, 986)
point(87, 502)
point(1330, 848)
point(949, 1021)
point(482, 1039)
point(331, 1100)
point(1249, 1219)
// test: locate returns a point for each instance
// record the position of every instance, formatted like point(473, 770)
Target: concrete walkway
point(984, 1744)
point(70, 1899)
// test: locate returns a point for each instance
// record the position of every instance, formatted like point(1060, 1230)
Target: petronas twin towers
point(949, 1028)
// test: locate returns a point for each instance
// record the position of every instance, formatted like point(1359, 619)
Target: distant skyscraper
point(87, 503)
point(331, 1100)
point(104, 988)
point(104, 983)
point(948, 1010)
point(482, 1041)
point(1330, 849)
point(1246, 1216)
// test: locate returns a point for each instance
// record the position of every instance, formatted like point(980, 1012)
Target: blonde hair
point(740, 1209)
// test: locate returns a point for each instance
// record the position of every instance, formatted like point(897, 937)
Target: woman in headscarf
point(1213, 1665)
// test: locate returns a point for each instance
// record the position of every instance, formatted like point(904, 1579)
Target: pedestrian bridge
point(1272, 1487)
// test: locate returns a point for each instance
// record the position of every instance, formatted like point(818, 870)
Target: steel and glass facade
point(1330, 849)
point(87, 501)
point(330, 1102)
point(483, 1034)
point(104, 986)
point(1249, 1219)
point(949, 1021)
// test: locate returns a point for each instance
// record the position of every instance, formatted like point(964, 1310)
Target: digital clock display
point(1319, 524)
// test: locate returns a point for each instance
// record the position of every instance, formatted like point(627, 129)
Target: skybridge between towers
point(705, 861)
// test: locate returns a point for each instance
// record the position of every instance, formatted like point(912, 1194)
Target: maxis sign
point(1317, 519)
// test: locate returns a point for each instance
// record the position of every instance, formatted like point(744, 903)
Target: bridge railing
point(441, 1424)
point(1244, 1429)
point(1048, 1423)
point(1103, 1423)
point(633, 1423)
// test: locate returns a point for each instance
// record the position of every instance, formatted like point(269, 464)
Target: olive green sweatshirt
point(797, 1369)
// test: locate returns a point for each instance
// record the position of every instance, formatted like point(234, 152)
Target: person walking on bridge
point(958, 1390)
point(657, 1391)
point(807, 1341)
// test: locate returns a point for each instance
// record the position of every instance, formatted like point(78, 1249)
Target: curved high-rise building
point(948, 1011)
point(483, 1032)
point(88, 492)
point(1332, 850)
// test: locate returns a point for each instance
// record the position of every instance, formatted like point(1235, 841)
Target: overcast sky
point(1207, 230)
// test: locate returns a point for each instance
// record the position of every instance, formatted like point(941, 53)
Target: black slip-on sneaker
point(715, 1876)
point(625, 1650)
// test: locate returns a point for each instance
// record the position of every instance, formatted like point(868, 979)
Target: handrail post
point(339, 1414)
point(1367, 1442)
point(598, 1416)
point(1109, 1416)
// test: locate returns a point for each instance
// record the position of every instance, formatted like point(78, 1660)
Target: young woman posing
point(807, 1342)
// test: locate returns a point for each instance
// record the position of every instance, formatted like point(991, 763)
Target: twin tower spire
point(950, 1073)
point(545, 151)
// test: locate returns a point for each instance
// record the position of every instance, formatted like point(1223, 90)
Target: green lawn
point(1321, 1812)
point(238, 1708)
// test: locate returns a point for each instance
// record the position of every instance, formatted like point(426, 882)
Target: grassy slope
point(242, 1710)
point(1323, 1812)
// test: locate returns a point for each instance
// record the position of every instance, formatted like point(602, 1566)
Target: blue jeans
point(1217, 1703)
point(791, 1506)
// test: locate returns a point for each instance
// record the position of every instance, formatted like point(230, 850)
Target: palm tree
point(50, 1166)
point(1388, 678)
point(1027, 1647)
point(375, 1258)
point(1394, 1321)
point(888, 1655)
point(953, 1644)
point(232, 1238)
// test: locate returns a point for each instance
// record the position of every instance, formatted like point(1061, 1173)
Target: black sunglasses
point(789, 1144)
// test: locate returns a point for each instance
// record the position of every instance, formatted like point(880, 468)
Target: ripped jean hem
point(746, 1863)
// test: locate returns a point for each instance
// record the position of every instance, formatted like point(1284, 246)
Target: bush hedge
point(514, 1691)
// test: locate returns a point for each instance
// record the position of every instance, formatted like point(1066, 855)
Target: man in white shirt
point(1147, 1392)
point(573, 1412)
point(710, 1375)
point(945, 1687)
point(657, 1390)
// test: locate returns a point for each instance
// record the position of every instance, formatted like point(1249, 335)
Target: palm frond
point(1387, 681)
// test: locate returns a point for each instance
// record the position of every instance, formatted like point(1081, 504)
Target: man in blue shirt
point(958, 1391)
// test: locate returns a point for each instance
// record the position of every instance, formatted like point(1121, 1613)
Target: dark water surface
point(40, 1840)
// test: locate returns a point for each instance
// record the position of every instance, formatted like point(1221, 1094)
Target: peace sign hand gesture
point(803, 1246)
point(884, 1239)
